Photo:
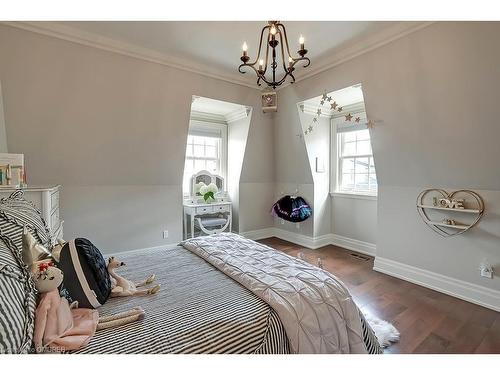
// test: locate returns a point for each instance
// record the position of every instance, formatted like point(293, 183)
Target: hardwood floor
point(429, 321)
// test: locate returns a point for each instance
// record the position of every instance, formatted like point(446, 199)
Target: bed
point(199, 309)
point(215, 297)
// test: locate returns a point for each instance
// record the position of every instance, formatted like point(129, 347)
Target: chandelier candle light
point(275, 33)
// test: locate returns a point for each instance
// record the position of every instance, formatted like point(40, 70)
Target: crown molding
point(361, 46)
point(338, 56)
point(238, 114)
point(89, 39)
point(220, 119)
point(208, 117)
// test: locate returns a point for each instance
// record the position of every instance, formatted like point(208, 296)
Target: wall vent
point(360, 257)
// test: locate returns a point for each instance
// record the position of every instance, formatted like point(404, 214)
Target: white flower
point(204, 189)
point(213, 188)
point(198, 186)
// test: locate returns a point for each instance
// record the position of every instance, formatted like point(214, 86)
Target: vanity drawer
point(221, 208)
point(204, 210)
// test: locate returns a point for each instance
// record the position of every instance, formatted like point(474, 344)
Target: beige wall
point(435, 92)
point(112, 130)
point(3, 134)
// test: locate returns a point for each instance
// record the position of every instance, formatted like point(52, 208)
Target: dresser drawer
point(221, 208)
point(54, 200)
point(204, 210)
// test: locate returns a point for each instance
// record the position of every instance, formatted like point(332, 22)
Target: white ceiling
point(216, 46)
point(344, 97)
point(216, 107)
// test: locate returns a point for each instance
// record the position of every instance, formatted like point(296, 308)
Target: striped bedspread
point(197, 310)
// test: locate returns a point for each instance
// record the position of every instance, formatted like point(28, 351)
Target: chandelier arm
point(308, 62)
point(260, 46)
point(267, 54)
point(283, 52)
point(286, 40)
point(248, 65)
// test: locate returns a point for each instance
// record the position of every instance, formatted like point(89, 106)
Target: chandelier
point(274, 34)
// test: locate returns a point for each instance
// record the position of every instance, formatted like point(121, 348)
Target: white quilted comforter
point(315, 308)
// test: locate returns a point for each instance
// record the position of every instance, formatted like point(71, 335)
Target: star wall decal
point(370, 124)
point(324, 97)
point(339, 109)
point(357, 119)
point(334, 105)
point(319, 112)
point(348, 117)
point(315, 119)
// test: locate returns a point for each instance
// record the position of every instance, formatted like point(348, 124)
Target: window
point(205, 150)
point(355, 166)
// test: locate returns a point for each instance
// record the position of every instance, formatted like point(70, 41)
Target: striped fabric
point(17, 300)
point(371, 342)
point(197, 310)
point(15, 213)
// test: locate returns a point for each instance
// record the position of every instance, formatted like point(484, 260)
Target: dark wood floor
point(429, 321)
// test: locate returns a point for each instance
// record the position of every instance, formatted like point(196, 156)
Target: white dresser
point(46, 199)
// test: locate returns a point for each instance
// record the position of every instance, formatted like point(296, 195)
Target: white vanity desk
point(211, 218)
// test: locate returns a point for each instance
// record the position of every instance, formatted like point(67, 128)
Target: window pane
point(347, 182)
point(199, 165)
point(349, 148)
point(211, 141)
point(361, 166)
point(348, 165)
point(372, 166)
point(362, 135)
point(361, 182)
point(199, 150)
point(364, 148)
point(211, 151)
point(349, 136)
point(212, 166)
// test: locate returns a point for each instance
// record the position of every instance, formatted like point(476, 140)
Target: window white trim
point(368, 197)
point(335, 166)
point(216, 130)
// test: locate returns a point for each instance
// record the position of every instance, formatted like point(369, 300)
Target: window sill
point(367, 197)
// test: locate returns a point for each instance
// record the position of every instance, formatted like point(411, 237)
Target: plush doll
point(121, 287)
point(60, 326)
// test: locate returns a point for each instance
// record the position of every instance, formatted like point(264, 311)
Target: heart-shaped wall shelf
point(463, 210)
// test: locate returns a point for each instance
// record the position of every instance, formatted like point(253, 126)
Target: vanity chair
point(208, 217)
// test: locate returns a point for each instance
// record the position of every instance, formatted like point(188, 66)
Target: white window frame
point(336, 162)
point(197, 127)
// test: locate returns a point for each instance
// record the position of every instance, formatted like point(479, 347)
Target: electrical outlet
point(165, 234)
point(486, 270)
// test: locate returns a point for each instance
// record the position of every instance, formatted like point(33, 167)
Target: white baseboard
point(259, 234)
point(143, 250)
point(353, 244)
point(313, 242)
point(477, 294)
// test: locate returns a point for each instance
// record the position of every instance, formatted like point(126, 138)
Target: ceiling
point(214, 47)
point(344, 97)
point(216, 107)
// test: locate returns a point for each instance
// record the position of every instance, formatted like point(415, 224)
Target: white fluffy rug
point(386, 333)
